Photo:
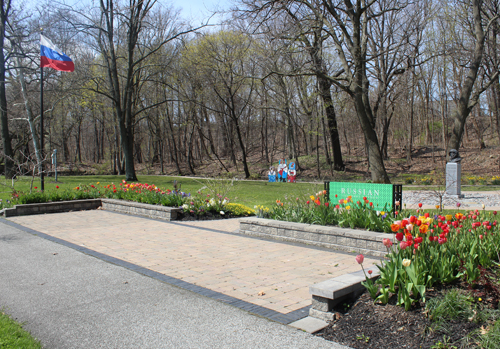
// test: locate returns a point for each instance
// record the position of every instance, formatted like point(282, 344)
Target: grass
point(249, 193)
point(488, 338)
point(459, 305)
point(13, 336)
point(454, 305)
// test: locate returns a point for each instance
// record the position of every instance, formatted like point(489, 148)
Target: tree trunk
point(463, 107)
point(173, 143)
point(78, 154)
point(4, 121)
point(331, 117)
point(29, 112)
point(242, 146)
point(375, 161)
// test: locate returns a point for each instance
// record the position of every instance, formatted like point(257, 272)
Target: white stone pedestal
point(453, 177)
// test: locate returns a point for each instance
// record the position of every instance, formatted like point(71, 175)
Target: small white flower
point(222, 213)
point(185, 206)
point(225, 201)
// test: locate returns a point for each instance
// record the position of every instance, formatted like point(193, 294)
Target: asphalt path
point(68, 299)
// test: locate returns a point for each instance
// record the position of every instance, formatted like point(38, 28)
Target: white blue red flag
point(54, 58)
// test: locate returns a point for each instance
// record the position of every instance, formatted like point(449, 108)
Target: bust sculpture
point(454, 156)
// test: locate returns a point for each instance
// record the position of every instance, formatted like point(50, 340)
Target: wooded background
point(277, 79)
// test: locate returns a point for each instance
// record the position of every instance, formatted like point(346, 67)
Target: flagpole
point(41, 128)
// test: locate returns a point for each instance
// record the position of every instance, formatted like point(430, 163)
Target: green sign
point(382, 195)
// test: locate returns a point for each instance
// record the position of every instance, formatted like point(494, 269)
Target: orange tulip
point(395, 227)
point(423, 228)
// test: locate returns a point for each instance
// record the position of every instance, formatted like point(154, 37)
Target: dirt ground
point(425, 161)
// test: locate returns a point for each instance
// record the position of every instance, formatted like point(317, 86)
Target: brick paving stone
point(202, 254)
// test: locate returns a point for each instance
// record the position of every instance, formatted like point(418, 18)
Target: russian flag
point(52, 57)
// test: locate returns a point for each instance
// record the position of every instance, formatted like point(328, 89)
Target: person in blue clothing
point(271, 174)
point(282, 170)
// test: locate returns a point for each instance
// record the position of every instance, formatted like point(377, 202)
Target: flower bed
point(438, 287)
point(316, 209)
point(137, 198)
point(438, 250)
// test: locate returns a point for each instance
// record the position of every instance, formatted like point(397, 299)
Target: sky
point(199, 10)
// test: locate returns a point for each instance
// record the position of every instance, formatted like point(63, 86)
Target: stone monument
point(454, 175)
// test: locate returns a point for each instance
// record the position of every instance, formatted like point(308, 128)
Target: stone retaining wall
point(52, 207)
point(144, 210)
point(327, 294)
point(348, 240)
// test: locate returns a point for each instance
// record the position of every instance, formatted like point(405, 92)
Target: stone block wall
point(52, 207)
point(347, 240)
point(139, 209)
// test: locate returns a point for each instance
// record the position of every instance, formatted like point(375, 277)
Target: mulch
point(208, 216)
point(363, 324)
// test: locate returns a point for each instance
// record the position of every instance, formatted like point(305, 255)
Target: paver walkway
point(270, 274)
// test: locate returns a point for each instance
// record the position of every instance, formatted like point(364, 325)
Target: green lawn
point(249, 193)
point(13, 336)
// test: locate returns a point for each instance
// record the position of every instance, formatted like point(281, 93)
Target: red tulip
point(360, 258)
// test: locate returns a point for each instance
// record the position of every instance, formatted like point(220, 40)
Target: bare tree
point(470, 90)
point(129, 38)
point(4, 121)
